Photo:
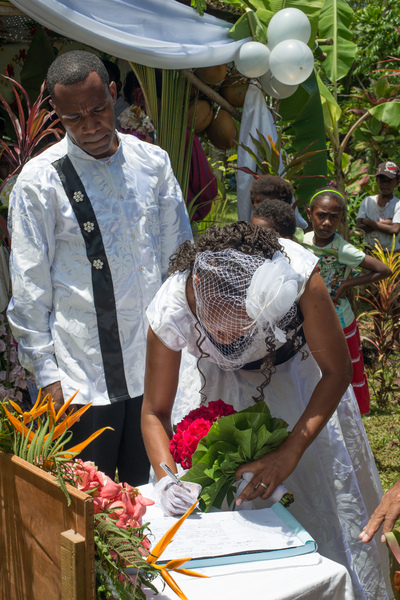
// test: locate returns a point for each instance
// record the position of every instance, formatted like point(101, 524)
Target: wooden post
point(73, 567)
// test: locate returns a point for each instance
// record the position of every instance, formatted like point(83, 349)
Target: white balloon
point(288, 24)
point(282, 89)
point(252, 59)
point(274, 88)
point(291, 62)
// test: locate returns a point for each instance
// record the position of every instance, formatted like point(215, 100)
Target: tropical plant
point(267, 158)
point(115, 549)
point(40, 434)
point(382, 319)
point(168, 110)
point(31, 130)
point(374, 30)
point(375, 137)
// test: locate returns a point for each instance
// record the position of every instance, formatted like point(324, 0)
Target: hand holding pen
point(174, 495)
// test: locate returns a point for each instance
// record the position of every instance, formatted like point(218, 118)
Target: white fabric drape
point(256, 116)
point(158, 33)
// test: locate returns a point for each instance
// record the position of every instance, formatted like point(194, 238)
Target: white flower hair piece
point(274, 288)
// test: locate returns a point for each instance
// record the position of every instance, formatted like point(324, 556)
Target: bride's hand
point(268, 472)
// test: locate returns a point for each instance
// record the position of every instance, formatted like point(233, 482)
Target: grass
point(383, 430)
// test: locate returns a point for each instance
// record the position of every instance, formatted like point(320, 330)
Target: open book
point(235, 536)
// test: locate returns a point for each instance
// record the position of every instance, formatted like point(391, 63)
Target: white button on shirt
point(52, 312)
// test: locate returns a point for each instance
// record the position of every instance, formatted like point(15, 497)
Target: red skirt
point(359, 380)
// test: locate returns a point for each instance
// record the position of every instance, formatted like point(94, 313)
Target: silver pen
point(171, 474)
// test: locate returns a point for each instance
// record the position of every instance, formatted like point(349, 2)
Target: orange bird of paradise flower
point(172, 565)
point(46, 406)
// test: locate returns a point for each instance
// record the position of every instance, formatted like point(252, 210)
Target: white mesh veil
point(241, 300)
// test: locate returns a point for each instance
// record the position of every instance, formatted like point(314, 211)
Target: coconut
point(204, 115)
point(234, 90)
point(222, 132)
point(211, 75)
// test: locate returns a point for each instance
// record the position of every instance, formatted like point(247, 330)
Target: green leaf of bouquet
point(197, 474)
point(278, 424)
point(270, 446)
point(247, 441)
point(277, 437)
point(232, 441)
point(231, 462)
point(216, 492)
point(263, 436)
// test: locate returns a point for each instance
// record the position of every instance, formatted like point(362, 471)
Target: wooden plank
point(73, 566)
point(33, 514)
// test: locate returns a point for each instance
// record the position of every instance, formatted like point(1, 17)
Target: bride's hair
point(241, 236)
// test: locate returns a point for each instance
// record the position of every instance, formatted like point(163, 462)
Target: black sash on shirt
point(103, 288)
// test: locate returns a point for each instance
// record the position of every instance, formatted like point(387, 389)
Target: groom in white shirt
point(93, 220)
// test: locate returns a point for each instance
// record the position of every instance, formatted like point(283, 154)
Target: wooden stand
point(46, 547)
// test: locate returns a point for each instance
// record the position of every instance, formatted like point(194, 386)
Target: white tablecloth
point(306, 577)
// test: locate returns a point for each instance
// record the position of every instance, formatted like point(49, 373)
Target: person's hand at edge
point(387, 513)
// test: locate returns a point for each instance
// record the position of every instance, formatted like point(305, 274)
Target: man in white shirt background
point(379, 216)
point(93, 219)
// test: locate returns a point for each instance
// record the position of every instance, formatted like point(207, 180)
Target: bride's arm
point(328, 346)
point(160, 385)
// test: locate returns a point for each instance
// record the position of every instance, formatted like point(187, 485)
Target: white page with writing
point(224, 533)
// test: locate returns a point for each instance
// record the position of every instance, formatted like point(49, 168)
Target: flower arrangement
point(193, 428)
point(135, 121)
point(121, 539)
point(232, 440)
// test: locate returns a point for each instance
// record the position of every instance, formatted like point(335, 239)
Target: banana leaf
point(249, 24)
point(334, 22)
point(303, 111)
point(330, 108)
point(387, 112)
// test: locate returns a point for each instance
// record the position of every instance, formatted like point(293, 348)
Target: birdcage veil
point(241, 300)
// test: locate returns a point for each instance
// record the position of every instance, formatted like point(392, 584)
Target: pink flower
point(108, 489)
point(124, 503)
point(184, 442)
point(194, 427)
point(215, 410)
point(131, 501)
point(86, 476)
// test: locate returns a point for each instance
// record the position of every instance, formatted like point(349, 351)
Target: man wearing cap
point(379, 216)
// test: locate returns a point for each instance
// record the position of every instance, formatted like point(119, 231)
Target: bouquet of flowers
point(219, 442)
point(193, 428)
